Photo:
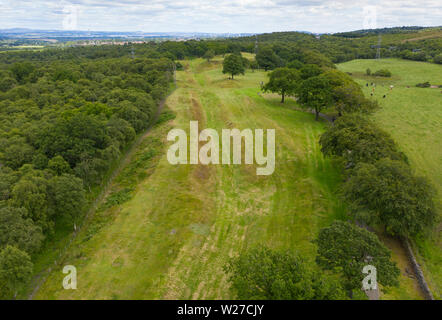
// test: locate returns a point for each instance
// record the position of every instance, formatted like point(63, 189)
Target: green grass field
point(413, 116)
point(172, 238)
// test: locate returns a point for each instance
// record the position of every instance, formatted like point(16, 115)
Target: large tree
point(267, 59)
point(31, 193)
point(15, 270)
point(233, 65)
point(59, 166)
point(347, 248)
point(356, 139)
point(347, 94)
point(18, 231)
point(262, 273)
point(67, 195)
point(315, 92)
point(309, 71)
point(386, 192)
point(283, 81)
point(209, 55)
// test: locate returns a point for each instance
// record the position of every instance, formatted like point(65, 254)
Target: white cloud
point(219, 15)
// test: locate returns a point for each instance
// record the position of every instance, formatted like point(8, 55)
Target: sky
point(220, 16)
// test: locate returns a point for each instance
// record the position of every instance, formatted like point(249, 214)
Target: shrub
point(382, 73)
point(423, 85)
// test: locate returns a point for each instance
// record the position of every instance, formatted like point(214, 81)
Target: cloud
point(217, 15)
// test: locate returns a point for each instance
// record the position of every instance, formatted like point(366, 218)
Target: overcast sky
point(254, 16)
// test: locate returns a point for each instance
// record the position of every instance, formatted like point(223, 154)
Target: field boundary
point(423, 286)
point(417, 270)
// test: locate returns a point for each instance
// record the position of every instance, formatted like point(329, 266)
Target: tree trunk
point(282, 97)
point(232, 76)
point(317, 114)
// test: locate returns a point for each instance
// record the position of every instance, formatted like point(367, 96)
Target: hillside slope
point(172, 239)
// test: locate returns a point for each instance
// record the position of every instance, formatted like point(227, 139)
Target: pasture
point(413, 116)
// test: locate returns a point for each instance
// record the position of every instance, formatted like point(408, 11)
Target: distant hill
point(67, 35)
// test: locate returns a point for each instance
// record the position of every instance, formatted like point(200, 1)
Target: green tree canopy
point(315, 93)
point(386, 192)
point(15, 270)
point(58, 165)
point(209, 55)
point(347, 248)
point(262, 273)
point(295, 64)
point(310, 70)
point(283, 81)
point(18, 231)
point(31, 193)
point(233, 65)
point(347, 94)
point(267, 59)
point(356, 139)
point(67, 195)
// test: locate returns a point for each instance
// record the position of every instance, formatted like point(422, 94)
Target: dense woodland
point(63, 124)
point(66, 115)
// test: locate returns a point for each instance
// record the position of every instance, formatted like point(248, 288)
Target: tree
point(382, 73)
point(22, 70)
point(67, 195)
point(17, 154)
point(233, 65)
point(386, 192)
point(347, 248)
point(438, 58)
point(15, 270)
point(295, 64)
point(262, 273)
point(267, 59)
point(315, 92)
point(316, 58)
point(209, 55)
point(356, 139)
point(31, 193)
point(283, 81)
point(59, 166)
point(16, 230)
point(347, 94)
point(309, 71)
point(7, 83)
point(8, 178)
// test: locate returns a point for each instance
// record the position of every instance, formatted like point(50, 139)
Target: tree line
point(63, 124)
point(379, 188)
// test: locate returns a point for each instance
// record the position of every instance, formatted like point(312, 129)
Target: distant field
point(172, 239)
point(413, 116)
